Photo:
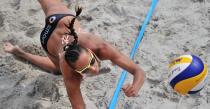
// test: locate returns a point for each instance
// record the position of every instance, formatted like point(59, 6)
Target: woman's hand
point(130, 90)
point(13, 49)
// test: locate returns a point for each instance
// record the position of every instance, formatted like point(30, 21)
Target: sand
point(177, 27)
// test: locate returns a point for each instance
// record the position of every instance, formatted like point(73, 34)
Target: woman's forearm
point(43, 62)
point(139, 77)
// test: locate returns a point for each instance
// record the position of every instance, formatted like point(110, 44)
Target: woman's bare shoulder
point(91, 40)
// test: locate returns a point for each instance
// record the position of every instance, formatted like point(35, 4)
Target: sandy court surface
point(177, 27)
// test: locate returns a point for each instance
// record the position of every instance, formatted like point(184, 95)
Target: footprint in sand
point(16, 4)
point(197, 1)
point(208, 13)
point(32, 12)
point(26, 24)
point(1, 20)
point(208, 47)
point(32, 31)
point(29, 28)
point(43, 87)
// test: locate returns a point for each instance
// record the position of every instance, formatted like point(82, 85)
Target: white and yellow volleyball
point(188, 74)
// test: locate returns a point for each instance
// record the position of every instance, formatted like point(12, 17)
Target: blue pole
point(136, 45)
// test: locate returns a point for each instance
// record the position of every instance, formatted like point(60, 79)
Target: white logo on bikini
point(45, 33)
point(52, 19)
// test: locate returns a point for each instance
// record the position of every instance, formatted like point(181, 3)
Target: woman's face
point(87, 63)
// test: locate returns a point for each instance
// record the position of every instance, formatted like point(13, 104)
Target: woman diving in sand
point(74, 53)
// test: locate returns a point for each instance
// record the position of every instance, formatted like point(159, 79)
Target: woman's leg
point(43, 62)
point(53, 7)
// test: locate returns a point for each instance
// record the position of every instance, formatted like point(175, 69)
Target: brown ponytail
point(73, 49)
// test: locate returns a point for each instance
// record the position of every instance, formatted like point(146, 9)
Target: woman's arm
point(107, 51)
point(72, 84)
point(43, 62)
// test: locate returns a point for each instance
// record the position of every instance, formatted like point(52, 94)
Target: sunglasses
point(92, 60)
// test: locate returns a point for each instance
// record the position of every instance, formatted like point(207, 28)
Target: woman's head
point(82, 60)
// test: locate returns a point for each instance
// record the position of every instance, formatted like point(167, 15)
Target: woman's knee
point(53, 6)
point(56, 9)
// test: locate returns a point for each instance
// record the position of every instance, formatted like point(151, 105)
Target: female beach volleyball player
point(75, 53)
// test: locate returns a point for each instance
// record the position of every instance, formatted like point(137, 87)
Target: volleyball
point(188, 74)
